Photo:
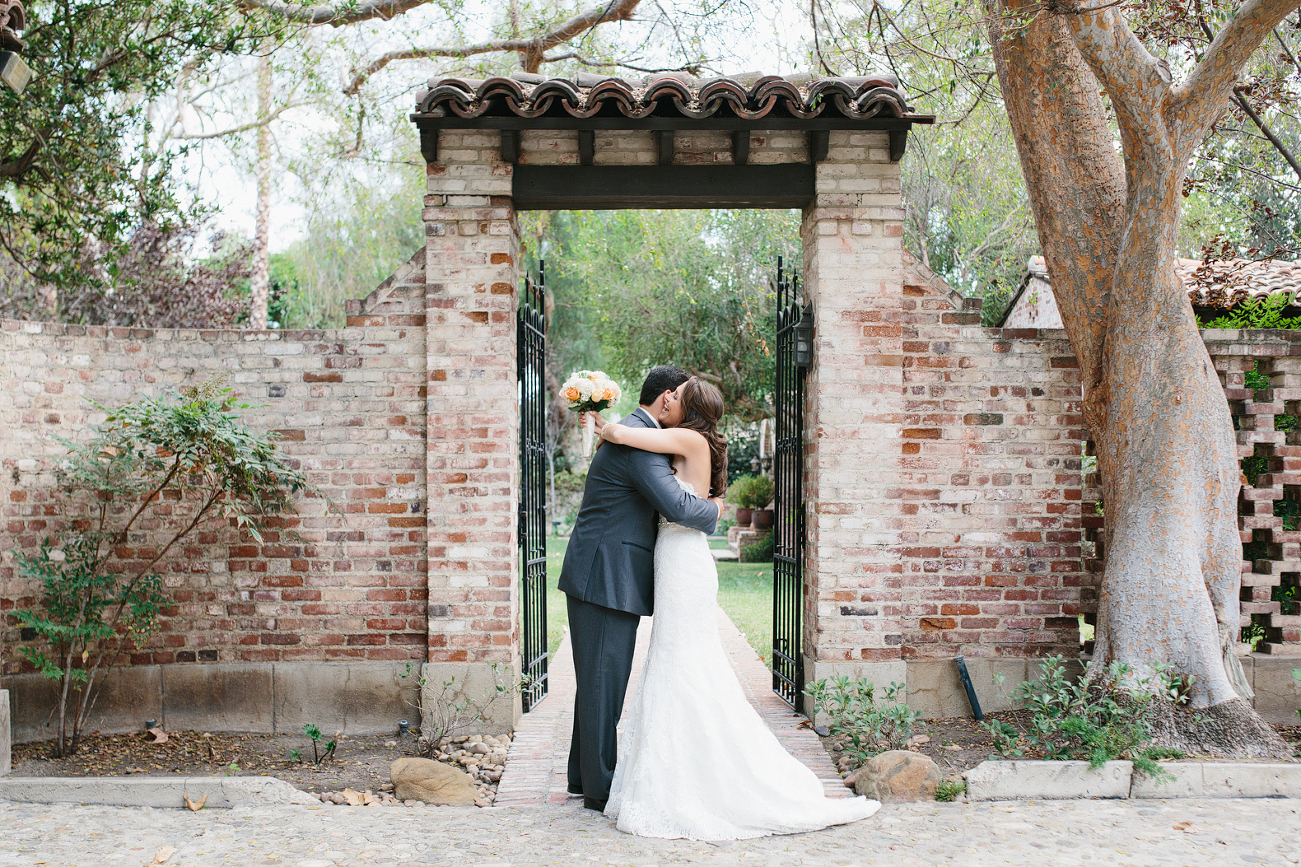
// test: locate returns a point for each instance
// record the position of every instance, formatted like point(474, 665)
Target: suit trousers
point(603, 640)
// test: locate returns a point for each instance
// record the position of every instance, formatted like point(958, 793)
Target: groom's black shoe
point(573, 789)
point(594, 804)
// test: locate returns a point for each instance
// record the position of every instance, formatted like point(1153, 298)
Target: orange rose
point(572, 393)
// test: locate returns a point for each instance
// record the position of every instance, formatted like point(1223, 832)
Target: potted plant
point(739, 493)
point(761, 494)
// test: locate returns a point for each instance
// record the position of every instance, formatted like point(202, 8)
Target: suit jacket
point(610, 559)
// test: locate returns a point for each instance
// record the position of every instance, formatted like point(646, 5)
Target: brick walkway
point(535, 767)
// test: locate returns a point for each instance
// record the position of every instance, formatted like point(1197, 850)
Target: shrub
point(1096, 719)
point(761, 492)
point(191, 451)
point(854, 712)
point(1296, 673)
point(739, 491)
point(758, 551)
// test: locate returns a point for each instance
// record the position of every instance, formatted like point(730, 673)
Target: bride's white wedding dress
point(695, 759)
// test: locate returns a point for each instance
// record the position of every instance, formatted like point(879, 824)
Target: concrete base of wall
point(273, 698)
point(6, 735)
point(477, 682)
point(935, 690)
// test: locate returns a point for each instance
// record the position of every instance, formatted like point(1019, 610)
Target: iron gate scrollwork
point(788, 474)
point(530, 348)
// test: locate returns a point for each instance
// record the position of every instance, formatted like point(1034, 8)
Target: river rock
point(431, 782)
point(898, 775)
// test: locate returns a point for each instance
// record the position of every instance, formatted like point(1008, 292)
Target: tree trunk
point(1166, 448)
point(260, 278)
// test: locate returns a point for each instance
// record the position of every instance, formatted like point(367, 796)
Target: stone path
point(535, 768)
point(1043, 834)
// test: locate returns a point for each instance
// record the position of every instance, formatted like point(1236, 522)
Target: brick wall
point(852, 236)
point(349, 405)
point(991, 489)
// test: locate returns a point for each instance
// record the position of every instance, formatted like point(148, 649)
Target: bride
point(695, 759)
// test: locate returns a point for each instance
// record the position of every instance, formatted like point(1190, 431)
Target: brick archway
point(830, 147)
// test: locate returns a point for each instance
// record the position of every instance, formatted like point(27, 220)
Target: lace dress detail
point(695, 759)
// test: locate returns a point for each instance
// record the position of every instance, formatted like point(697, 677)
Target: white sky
point(762, 35)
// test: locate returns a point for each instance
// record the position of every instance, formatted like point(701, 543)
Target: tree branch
point(1199, 99)
point(336, 16)
point(1134, 79)
point(532, 50)
point(244, 127)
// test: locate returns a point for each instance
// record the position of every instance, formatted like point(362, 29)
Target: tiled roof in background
point(749, 97)
point(12, 20)
point(1222, 284)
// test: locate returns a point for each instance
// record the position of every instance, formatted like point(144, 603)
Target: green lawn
point(744, 591)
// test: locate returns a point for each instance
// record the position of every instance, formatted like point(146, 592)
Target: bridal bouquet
point(589, 390)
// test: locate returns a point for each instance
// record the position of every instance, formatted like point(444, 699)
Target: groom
point(609, 575)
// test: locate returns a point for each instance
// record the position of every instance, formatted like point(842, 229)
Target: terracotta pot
point(743, 517)
point(763, 519)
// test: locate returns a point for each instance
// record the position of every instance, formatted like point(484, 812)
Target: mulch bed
point(358, 763)
point(959, 744)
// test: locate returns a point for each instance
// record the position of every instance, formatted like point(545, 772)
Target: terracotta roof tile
point(749, 96)
point(1223, 284)
point(12, 19)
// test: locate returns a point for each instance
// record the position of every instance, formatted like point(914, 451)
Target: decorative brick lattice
point(1268, 425)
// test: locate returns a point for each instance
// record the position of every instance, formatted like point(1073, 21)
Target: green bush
point(758, 551)
point(1095, 719)
point(1296, 673)
point(761, 492)
point(1264, 312)
point(191, 451)
point(739, 491)
point(870, 724)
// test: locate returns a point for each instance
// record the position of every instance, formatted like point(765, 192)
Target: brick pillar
point(853, 273)
point(472, 247)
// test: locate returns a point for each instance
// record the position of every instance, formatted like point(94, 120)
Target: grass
point(744, 591)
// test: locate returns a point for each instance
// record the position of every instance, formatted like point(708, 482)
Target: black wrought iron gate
point(793, 351)
point(530, 348)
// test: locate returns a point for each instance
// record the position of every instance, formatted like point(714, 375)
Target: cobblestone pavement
point(1037, 834)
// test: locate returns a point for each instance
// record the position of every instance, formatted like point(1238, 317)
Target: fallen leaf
point(368, 799)
point(354, 799)
point(195, 806)
point(805, 724)
point(161, 856)
point(160, 736)
point(1186, 827)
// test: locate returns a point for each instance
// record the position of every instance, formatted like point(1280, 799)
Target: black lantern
point(804, 338)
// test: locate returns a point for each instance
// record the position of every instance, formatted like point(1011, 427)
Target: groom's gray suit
point(609, 577)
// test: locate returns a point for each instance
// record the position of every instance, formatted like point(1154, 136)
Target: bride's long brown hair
point(702, 408)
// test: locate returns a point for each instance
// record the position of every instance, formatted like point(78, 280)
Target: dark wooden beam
point(898, 144)
point(664, 147)
point(740, 146)
point(819, 144)
point(586, 146)
point(510, 145)
point(787, 185)
point(429, 144)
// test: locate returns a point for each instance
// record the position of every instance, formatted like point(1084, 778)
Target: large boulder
point(898, 775)
point(431, 782)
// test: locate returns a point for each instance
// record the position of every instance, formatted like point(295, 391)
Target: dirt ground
point(362, 763)
point(358, 763)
